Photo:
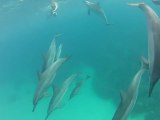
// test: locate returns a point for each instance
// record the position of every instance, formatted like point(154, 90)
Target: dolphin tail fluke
point(144, 63)
point(54, 13)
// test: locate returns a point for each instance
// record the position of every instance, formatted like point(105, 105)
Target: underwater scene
point(79, 59)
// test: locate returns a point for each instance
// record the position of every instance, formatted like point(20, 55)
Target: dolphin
point(129, 97)
point(157, 2)
point(46, 79)
point(52, 53)
point(58, 96)
point(153, 43)
point(95, 7)
point(77, 88)
point(54, 7)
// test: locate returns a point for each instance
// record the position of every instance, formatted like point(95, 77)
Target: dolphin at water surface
point(95, 7)
point(54, 7)
point(153, 43)
point(129, 97)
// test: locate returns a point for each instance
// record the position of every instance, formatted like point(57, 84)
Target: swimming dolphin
point(58, 96)
point(157, 2)
point(153, 43)
point(54, 7)
point(52, 53)
point(46, 79)
point(77, 88)
point(95, 7)
point(129, 98)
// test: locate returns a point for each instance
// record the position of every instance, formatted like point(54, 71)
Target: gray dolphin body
point(128, 98)
point(52, 54)
point(57, 97)
point(76, 89)
point(157, 2)
point(95, 7)
point(46, 80)
point(153, 43)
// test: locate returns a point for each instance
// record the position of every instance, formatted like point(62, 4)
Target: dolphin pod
point(95, 7)
point(153, 43)
point(46, 80)
point(52, 63)
point(129, 97)
point(55, 101)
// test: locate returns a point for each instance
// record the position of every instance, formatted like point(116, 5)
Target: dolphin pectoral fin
point(123, 95)
point(144, 63)
point(89, 11)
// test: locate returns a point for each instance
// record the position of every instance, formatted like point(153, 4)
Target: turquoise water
point(109, 54)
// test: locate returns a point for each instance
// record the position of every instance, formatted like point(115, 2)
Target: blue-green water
point(109, 54)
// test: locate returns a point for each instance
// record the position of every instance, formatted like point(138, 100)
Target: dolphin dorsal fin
point(123, 95)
